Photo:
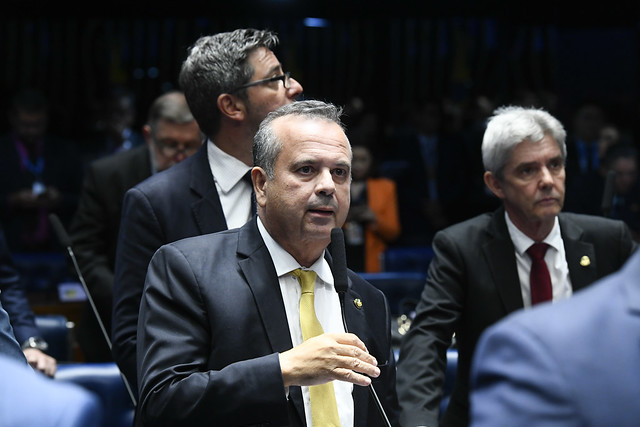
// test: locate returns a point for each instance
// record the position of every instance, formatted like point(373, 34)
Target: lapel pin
point(357, 303)
point(585, 261)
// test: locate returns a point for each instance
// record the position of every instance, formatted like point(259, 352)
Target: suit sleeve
point(177, 385)
point(139, 237)
point(14, 298)
point(516, 380)
point(423, 353)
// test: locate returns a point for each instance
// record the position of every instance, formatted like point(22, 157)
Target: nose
point(546, 178)
point(326, 186)
point(180, 156)
point(295, 88)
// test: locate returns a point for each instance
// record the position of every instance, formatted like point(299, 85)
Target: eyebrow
point(535, 163)
point(274, 69)
point(312, 161)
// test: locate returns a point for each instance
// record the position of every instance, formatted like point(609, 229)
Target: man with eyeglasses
point(231, 80)
point(171, 135)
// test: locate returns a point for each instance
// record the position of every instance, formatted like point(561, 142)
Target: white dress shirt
point(327, 305)
point(555, 258)
point(234, 193)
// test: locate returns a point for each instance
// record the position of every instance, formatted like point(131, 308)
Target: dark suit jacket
point(212, 322)
point(94, 233)
point(179, 202)
point(472, 283)
point(565, 364)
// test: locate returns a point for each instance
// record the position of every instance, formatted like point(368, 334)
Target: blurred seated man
point(39, 174)
point(171, 135)
point(245, 325)
point(623, 161)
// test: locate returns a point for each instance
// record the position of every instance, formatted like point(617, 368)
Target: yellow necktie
point(324, 410)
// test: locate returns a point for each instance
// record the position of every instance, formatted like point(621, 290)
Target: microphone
point(341, 283)
point(608, 193)
point(339, 256)
point(65, 241)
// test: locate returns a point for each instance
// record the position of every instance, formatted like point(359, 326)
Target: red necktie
point(539, 278)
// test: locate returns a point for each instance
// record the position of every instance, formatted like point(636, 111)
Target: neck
point(305, 252)
point(536, 231)
point(236, 143)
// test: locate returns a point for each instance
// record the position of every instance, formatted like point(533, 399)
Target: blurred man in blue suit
point(31, 399)
point(574, 363)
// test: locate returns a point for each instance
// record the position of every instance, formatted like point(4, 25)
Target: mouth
point(548, 201)
point(323, 212)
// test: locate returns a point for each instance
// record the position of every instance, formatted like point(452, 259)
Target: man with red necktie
point(484, 268)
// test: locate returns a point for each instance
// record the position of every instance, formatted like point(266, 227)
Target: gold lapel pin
point(357, 303)
point(585, 261)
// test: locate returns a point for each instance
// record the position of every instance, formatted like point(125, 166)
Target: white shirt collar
point(521, 241)
point(284, 262)
point(227, 170)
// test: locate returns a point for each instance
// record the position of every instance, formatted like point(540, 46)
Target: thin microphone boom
point(341, 283)
point(65, 241)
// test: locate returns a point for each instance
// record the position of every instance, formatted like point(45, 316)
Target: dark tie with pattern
point(247, 178)
point(539, 278)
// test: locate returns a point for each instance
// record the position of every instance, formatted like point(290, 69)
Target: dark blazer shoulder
point(477, 230)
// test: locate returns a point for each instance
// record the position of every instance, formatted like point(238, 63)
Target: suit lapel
point(257, 266)
point(207, 208)
point(500, 255)
point(356, 323)
point(581, 256)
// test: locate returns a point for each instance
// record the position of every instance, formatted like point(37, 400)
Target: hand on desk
point(41, 361)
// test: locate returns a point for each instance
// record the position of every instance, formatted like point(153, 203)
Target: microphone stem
point(95, 310)
point(89, 298)
point(372, 391)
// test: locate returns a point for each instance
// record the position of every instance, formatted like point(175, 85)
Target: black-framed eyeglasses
point(171, 148)
point(284, 77)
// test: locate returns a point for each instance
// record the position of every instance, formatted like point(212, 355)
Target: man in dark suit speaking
point(487, 267)
point(222, 335)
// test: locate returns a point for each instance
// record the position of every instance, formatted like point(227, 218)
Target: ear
point(494, 184)
point(260, 180)
point(231, 106)
point(146, 131)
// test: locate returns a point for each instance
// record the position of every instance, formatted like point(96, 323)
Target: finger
point(50, 370)
point(350, 339)
point(350, 376)
point(358, 366)
point(357, 353)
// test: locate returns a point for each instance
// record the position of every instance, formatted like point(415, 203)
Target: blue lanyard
point(37, 168)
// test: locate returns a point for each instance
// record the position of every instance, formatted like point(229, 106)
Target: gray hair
point(267, 145)
point(171, 107)
point(217, 64)
point(511, 125)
